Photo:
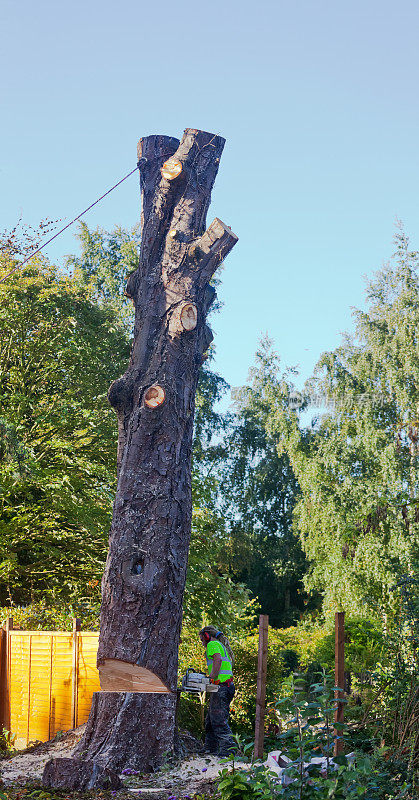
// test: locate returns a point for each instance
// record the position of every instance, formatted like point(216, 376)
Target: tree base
point(73, 773)
point(128, 730)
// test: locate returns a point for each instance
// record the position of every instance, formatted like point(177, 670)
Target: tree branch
point(209, 251)
point(177, 206)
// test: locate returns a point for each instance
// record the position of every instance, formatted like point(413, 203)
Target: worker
point(218, 736)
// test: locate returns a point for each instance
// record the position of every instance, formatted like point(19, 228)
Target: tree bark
point(144, 578)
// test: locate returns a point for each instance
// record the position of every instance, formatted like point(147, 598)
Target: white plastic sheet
point(277, 762)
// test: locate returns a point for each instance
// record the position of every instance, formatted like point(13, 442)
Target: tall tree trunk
point(144, 578)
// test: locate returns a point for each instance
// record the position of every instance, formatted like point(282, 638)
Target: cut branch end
point(154, 396)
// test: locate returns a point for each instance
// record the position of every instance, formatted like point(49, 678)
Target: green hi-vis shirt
point(226, 669)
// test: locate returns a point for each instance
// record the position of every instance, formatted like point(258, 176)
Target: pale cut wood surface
point(154, 396)
point(120, 676)
point(188, 316)
point(171, 169)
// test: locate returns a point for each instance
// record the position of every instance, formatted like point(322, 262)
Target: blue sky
point(317, 101)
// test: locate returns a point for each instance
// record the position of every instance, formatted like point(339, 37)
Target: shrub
point(364, 645)
point(308, 733)
point(287, 648)
point(40, 616)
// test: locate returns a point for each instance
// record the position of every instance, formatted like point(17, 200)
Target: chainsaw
point(197, 682)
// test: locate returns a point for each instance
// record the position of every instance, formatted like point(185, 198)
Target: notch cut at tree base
point(120, 676)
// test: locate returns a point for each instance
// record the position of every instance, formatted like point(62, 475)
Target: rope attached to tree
point(67, 226)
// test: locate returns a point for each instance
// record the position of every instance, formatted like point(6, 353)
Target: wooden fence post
point(3, 684)
point(261, 685)
point(339, 675)
point(75, 672)
point(8, 628)
point(5, 674)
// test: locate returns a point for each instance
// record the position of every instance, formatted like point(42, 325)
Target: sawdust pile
point(28, 765)
point(194, 774)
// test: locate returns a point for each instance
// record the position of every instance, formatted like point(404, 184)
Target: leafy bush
point(364, 645)
point(308, 732)
point(286, 649)
point(40, 616)
point(290, 661)
point(254, 784)
point(394, 710)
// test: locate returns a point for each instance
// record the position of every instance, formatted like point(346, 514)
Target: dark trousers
point(218, 736)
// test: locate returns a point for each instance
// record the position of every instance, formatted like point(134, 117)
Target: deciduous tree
point(357, 467)
point(58, 352)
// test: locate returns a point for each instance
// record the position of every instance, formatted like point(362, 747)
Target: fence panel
point(39, 701)
point(87, 675)
point(38, 687)
point(4, 708)
point(19, 681)
point(62, 655)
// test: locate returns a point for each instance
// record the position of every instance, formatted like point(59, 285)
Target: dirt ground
point(29, 764)
point(194, 775)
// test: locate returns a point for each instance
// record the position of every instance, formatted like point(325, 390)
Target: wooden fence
point(47, 679)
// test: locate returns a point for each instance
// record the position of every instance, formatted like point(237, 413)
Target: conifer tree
point(357, 467)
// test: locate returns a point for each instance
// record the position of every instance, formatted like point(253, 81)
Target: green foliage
point(209, 448)
point(308, 723)
point(79, 429)
point(58, 355)
point(357, 512)
point(364, 645)
point(259, 492)
point(103, 266)
point(210, 592)
point(285, 647)
point(308, 732)
point(393, 712)
point(42, 616)
point(64, 340)
point(245, 673)
point(7, 743)
point(348, 486)
point(250, 783)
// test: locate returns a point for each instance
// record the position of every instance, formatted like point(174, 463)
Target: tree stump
point(145, 573)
